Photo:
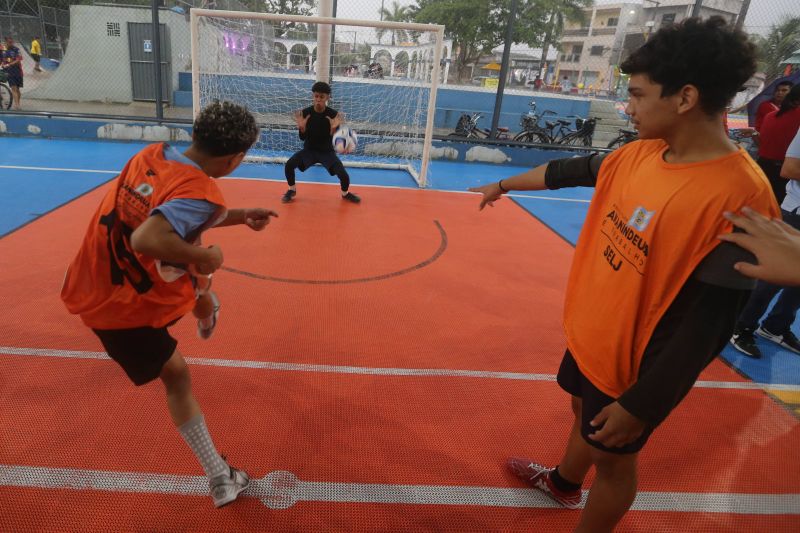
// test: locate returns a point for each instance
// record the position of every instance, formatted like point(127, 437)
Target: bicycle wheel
point(574, 139)
point(530, 137)
point(616, 143)
point(5, 96)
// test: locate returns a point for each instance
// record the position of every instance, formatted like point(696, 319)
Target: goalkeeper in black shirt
point(316, 125)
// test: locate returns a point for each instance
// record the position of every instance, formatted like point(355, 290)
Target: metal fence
point(98, 57)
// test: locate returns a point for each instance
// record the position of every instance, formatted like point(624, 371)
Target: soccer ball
point(345, 140)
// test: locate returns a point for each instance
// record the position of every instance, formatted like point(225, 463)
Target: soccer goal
point(269, 62)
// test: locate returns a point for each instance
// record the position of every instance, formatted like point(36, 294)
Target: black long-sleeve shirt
point(695, 327)
point(317, 135)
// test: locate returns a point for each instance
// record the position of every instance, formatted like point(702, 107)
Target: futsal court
point(373, 367)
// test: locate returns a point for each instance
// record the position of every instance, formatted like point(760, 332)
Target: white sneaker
point(226, 487)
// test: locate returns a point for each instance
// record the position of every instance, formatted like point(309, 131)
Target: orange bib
point(108, 284)
point(649, 225)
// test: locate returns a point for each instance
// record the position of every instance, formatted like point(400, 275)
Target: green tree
point(478, 26)
point(292, 30)
point(779, 44)
point(396, 13)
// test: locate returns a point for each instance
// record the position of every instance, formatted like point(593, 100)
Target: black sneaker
point(788, 340)
point(744, 341)
point(350, 197)
point(289, 196)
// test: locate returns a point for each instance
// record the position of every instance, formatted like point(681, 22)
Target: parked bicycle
point(467, 126)
point(625, 136)
point(558, 131)
point(5, 92)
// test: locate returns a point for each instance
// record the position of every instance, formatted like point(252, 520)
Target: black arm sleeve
point(573, 171)
point(692, 332)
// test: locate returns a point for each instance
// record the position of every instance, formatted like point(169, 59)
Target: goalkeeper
point(316, 125)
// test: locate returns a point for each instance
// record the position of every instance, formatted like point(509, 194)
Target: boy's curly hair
point(224, 128)
point(709, 54)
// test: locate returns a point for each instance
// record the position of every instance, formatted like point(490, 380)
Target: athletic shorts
point(141, 352)
point(36, 57)
point(572, 380)
point(308, 158)
point(14, 81)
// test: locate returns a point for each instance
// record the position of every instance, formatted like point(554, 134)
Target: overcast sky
point(761, 15)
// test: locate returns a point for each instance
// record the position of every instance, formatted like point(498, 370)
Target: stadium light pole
point(696, 9)
point(742, 14)
point(501, 85)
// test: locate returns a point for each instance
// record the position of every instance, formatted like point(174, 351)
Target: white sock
point(344, 193)
point(293, 188)
point(195, 433)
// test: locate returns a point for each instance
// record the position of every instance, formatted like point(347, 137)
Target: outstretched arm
point(557, 174)
point(255, 218)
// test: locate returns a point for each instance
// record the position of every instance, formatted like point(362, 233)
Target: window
point(613, 21)
point(668, 19)
point(596, 50)
point(112, 28)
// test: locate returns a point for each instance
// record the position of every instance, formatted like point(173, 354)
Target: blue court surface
point(39, 175)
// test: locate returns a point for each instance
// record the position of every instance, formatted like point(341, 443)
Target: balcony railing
point(570, 58)
point(611, 30)
point(580, 32)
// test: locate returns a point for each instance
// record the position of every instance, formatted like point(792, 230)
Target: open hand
point(336, 121)
point(257, 218)
point(775, 244)
point(619, 427)
point(300, 120)
point(491, 193)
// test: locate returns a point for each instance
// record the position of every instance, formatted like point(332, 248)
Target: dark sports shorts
point(141, 352)
point(14, 80)
point(572, 380)
point(307, 158)
point(36, 57)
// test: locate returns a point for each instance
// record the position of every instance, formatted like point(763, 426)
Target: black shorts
point(141, 352)
point(572, 380)
point(14, 81)
point(36, 57)
point(307, 158)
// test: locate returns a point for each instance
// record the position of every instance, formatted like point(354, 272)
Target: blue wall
point(451, 102)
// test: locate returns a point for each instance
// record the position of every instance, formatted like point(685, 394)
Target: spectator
point(777, 131)
point(537, 83)
point(566, 85)
point(781, 90)
point(36, 53)
point(12, 64)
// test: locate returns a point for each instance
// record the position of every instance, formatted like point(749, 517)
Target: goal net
point(383, 75)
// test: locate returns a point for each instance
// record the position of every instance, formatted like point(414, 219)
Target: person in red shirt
point(777, 131)
point(781, 90)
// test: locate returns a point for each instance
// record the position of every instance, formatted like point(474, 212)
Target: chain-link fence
point(98, 58)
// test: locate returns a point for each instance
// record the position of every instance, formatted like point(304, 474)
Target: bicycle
point(625, 136)
point(5, 92)
point(467, 126)
point(552, 133)
point(584, 135)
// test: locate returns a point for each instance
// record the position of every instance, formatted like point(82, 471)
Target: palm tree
point(783, 39)
point(397, 13)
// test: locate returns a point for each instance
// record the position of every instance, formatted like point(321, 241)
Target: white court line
point(246, 178)
point(281, 490)
point(395, 372)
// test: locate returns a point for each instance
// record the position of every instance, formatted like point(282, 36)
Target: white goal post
point(265, 61)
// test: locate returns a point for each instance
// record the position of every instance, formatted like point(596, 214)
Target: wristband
point(500, 184)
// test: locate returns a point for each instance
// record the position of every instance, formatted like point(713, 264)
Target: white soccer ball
point(345, 140)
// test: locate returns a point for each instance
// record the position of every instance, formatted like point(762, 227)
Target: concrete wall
point(96, 67)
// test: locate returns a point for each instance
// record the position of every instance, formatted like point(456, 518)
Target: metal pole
point(696, 10)
point(333, 43)
point(324, 42)
point(157, 59)
point(742, 14)
point(498, 100)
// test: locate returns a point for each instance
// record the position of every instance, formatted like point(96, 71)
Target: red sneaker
point(538, 476)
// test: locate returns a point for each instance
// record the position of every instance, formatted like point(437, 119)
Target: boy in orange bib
point(131, 281)
point(653, 295)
